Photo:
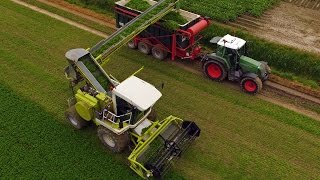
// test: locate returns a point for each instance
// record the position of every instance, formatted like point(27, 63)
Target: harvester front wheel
point(144, 47)
point(251, 85)
point(74, 118)
point(215, 70)
point(159, 53)
point(112, 141)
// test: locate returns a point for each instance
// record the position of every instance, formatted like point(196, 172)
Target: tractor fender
point(251, 75)
point(215, 58)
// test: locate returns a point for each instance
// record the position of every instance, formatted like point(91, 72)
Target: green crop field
point(222, 10)
point(242, 136)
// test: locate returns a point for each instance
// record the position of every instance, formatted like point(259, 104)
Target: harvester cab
point(231, 60)
point(123, 111)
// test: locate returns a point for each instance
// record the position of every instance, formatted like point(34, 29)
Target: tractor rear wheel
point(215, 70)
point(74, 118)
point(132, 45)
point(144, 47)
point(251, 85)
point(112, 141)
point(159, 53)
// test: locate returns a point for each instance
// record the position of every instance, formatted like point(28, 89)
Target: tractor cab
point(231, 48)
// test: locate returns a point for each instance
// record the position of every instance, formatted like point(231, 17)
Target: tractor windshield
point(242, 51)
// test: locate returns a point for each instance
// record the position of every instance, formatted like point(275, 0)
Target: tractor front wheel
point(74, 118)
point(215, 70)
point(251, 85)
point(112, 141)
point(144, 47)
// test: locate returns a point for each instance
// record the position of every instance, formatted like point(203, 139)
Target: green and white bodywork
point(232, 61)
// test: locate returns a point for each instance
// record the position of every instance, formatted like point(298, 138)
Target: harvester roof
point(138, 93)
point(231, 42)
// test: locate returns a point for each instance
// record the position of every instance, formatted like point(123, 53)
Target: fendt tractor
point(123, 111)
point(230, 61)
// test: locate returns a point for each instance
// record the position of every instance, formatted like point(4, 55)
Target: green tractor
point(231, 61)
point(124, 114)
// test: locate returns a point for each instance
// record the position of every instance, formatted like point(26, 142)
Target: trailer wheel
point(251, 85)
point(74, 118)
point(215, 70)
point(132, 45)
point(116, 143)
point(144, 47)
point(158, 52)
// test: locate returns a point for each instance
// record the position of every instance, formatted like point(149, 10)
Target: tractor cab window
point(243, 51)
point(221, 51)
point(233, 56)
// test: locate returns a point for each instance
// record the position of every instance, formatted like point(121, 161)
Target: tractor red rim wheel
point(214, 71)
point(250, 86)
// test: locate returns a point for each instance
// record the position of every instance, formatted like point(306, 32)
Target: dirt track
point(267, 97)
point(288, 24)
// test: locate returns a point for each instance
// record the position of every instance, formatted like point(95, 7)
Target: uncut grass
point(242, 136)
point(35, 144)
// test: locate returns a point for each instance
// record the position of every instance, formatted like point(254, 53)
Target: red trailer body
point(181, 42)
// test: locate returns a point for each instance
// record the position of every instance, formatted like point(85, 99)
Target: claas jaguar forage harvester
point(123, 111)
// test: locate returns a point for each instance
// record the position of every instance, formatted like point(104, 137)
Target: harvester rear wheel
point(74, 118)
point(159, 53)
point(215, 70)
point(251, 85)
point(112, 141)
point(132, 45)
point(144, 47)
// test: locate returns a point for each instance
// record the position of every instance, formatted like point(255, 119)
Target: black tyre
point(153, 115)
point(74, 118)
point(144, 47)
point(132, 45)
point(251, 85)
point(159, 53)
point(215, 70)
point(112, 141)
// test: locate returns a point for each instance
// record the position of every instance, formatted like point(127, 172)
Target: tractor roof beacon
point(231, 61)
point(123, 111)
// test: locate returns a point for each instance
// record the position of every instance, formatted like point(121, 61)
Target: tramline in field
point(123, 111)
point(230, 62)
